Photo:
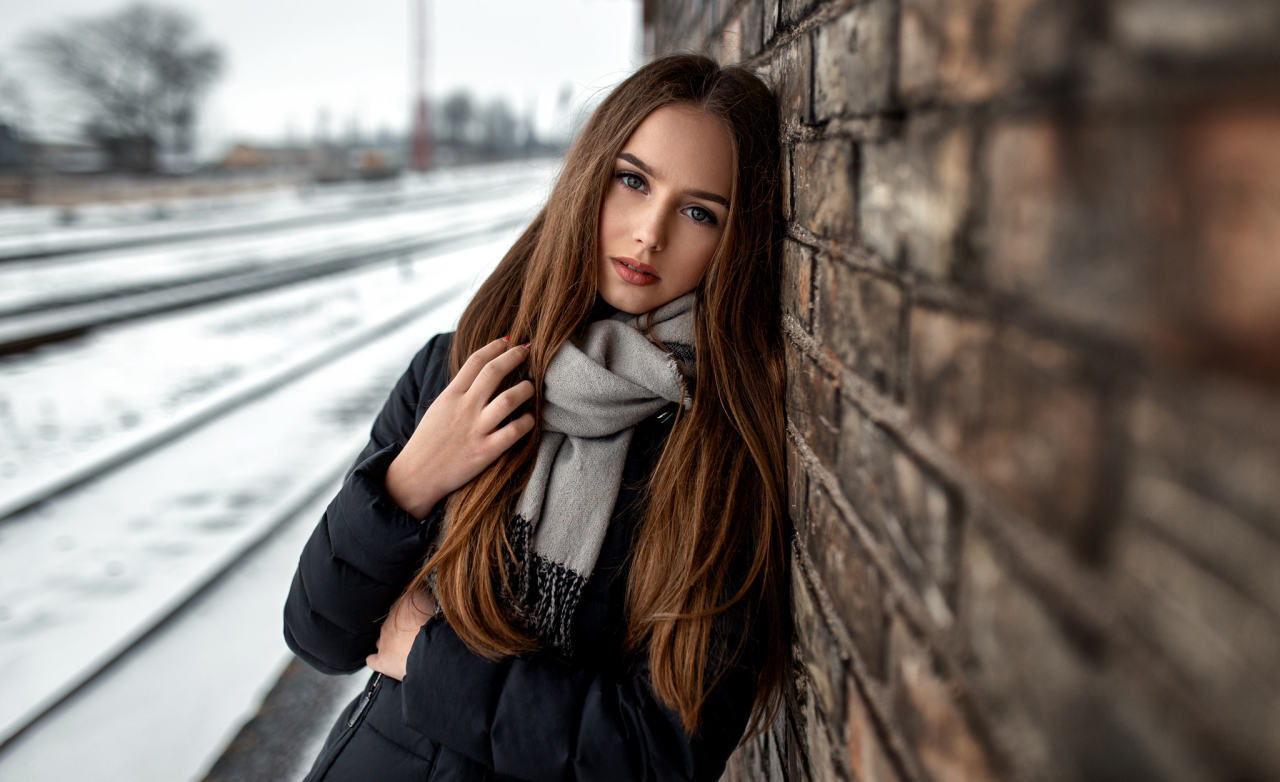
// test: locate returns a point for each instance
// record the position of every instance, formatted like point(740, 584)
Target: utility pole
point(421, 130)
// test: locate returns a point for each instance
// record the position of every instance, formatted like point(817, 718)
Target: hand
point(459, 435)
point(395, 638)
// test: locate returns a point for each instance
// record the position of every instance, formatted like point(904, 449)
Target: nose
point(651, 228)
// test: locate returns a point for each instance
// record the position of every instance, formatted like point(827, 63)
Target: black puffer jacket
point(457, 716)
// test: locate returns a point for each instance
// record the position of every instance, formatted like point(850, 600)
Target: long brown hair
point(714, 506)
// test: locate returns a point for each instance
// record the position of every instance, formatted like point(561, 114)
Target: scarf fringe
point(547, 593)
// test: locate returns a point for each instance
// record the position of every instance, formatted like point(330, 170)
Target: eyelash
point(623, 176)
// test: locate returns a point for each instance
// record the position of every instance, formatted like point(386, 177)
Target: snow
point(167, 712)
point(146, 372)
point(25, 230)
point(88, 572)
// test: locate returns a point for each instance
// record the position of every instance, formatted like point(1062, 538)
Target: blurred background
point(225, 228)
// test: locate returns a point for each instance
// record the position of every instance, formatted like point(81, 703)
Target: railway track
point(18, 720)
point(25, 330)
point(116, 552)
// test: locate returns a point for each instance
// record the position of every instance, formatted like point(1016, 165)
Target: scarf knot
point(595, 391)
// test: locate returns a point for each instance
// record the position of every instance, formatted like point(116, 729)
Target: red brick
point(792, 79)
point(853, 72)
point(925, 706)
point(849, 576)
point(863, 470)
point(868, 758)
point(971, 50)
point(823, 710)
point(1026, 670)
point(824, 188)
point(797, 485)
point(797, 282)
point(1219, 287)
point(859, 316)
point(1013, 409)
point(813, 405)
point(927, 515)
point(1071, 217)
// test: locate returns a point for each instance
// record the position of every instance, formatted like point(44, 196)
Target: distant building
point(251, 157)
point(68, 157)
point(13, 150)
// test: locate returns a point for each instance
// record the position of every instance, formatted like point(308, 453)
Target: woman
point(606, 599)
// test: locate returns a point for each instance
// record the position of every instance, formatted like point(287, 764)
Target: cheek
point(698, 258)
point(613, 213)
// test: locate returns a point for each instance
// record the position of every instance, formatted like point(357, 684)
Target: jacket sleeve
point(365, 548)
point(537, 717)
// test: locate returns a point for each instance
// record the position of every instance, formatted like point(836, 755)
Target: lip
point(645, 275)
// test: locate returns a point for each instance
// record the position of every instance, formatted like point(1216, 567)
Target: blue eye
point(700, 215)
point(629, 180)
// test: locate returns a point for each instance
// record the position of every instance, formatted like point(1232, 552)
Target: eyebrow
point(640, 164)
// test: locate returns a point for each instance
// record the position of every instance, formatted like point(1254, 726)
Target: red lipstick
point(632, 271)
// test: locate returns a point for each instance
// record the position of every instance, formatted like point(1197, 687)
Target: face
point(665, 209)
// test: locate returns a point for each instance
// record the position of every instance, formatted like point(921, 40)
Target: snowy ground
point(89, 570)
point(144, 372)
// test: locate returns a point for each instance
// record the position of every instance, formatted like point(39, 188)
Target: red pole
point(421, 132)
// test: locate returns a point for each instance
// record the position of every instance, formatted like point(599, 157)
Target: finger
point(476, 362)
point(505, 404)
point(510, 434)
point(486, 382)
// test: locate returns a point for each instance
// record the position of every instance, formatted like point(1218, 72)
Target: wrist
point(414, 494)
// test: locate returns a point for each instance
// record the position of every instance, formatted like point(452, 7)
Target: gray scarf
point(595, 391)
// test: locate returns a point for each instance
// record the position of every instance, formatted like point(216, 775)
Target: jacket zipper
point(364, 702)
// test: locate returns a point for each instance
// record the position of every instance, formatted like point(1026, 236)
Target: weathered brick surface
point(915, 195)
point(1030, 292)
point(793, 75)
point(823, 671)
point(846, 572)
point(1017, 411)
point(853, 69)
point(941, 735)
point(869, 757)
point(1217, 299)
point(1064, 224)
point(859, 317)
point(964, 51)
point(1194, 33)
point(797, 282)
point(824, 185)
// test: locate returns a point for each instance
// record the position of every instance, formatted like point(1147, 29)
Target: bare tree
point(140, 72)
point(15, 110)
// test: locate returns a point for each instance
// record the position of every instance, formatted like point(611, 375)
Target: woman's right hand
point(460, 435)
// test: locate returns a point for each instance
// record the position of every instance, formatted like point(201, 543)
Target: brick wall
point(1032, 308)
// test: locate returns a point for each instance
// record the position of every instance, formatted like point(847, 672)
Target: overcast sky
point(286, 60)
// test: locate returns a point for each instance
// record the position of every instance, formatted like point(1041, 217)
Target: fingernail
point(507, 337)
point(527, 344)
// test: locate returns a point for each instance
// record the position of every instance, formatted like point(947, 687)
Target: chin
point(631, 304)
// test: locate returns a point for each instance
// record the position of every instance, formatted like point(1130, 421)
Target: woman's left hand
point(401, 626)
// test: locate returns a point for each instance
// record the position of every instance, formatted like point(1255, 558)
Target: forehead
point(685, 147)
